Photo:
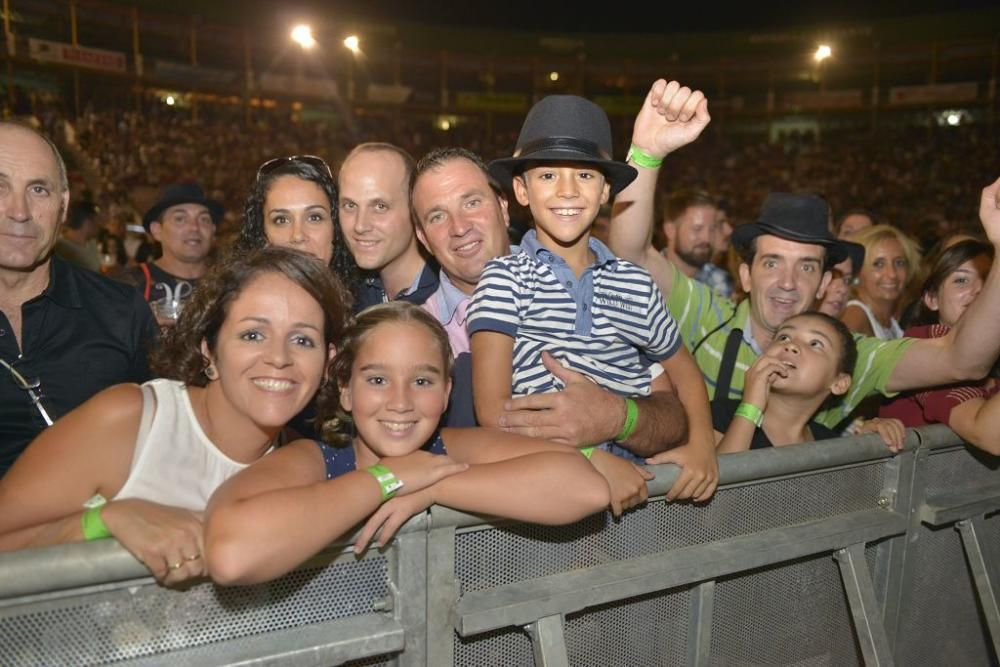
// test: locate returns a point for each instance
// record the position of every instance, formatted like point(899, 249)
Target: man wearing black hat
point(787, 255)
point(65, 333)
point(183, 221)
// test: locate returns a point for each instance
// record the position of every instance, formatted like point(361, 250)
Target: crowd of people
point(368, 338)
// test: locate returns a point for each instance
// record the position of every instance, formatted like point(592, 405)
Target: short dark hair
point(179, 356)
point(79, 213)
point(439, 157)
point(252, 235)
point(675, 203)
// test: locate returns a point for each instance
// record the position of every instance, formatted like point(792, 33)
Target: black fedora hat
point(181, 193)
point(800, 217)
point(565, 128)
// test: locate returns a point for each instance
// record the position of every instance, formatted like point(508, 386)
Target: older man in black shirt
point(65, 333)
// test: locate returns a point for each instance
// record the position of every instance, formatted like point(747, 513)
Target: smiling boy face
point(564, 198)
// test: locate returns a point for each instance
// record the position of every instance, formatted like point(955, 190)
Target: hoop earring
point(211, 373)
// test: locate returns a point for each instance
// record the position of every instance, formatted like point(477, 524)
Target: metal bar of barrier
point(319, 645)
point(755, 465)
point(944, 508)
point(524, 602)
point(548, 642)
point(700, 630)
point(865, 611)
point(982, 575)
point(442, 591)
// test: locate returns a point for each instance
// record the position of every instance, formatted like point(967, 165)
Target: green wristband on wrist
point(587, 452)
point(642, 159)
point(750, 412)
point(631, 420)
point(93, 525)
point(386, 479)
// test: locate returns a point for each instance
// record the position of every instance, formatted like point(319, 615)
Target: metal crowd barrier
point(833, 553)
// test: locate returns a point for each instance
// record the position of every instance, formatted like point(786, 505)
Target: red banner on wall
point(79, 56)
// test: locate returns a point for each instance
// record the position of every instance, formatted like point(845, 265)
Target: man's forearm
point(662, 424)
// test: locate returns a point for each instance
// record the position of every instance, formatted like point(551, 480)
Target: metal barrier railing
point(834, 553)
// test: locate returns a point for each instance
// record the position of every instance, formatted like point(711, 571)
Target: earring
point(211, 373)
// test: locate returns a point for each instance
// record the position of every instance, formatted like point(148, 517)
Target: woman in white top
point(251, 348)
point(891, 260)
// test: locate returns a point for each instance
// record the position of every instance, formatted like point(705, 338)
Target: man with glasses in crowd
point(65, 332)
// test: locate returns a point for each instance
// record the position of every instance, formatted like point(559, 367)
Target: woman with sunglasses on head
point(293, 203)
point(973, 410)
point(139, 463)
point(891, 259)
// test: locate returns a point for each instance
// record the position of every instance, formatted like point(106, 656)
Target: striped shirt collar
point(531, 245)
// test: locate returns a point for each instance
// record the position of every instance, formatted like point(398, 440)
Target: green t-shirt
point(703, 315)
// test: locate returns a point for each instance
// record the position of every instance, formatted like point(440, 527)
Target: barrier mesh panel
point(490, 558)
point(960, 468)
point(941, 619)
point(149, 620)
point(658, 624)
point(791, 614)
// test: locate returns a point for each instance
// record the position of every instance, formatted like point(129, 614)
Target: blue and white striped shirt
point(611, 325)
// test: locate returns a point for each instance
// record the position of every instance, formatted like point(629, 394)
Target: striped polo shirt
point(611, 324)
point(705, 317)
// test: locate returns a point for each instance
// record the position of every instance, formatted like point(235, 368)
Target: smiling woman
point(138, 463)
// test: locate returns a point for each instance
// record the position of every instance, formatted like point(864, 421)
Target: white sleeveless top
point(892, 332)
point(174, 462)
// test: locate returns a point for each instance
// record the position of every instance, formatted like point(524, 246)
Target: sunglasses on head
point(311, 160)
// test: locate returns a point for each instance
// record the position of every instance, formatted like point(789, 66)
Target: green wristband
point(642, 159)
point(587, 452)
point(631, 420)
point(93, 525)
point(750, 412)
point(386, 479)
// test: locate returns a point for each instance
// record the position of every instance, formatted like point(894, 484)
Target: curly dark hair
point(252, 235)
point(179, 356)
point(354, 337)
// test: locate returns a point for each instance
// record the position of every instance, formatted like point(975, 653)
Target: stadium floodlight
point(303, 36)
point(553, 76)
point(170, 100)
point(352, 43)
point(823, 51)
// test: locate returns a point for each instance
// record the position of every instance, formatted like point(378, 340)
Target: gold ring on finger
point(175, 566)
point(191, 558)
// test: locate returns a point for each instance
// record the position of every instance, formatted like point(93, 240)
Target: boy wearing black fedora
point(786, 257)
point(183, 220)
point(564, 292)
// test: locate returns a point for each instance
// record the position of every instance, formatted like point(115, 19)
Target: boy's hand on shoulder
point(672, 116)
point(699, 474)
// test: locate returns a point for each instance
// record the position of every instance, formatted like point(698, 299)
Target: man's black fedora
point(565, 128)
point(182, 193)
point(804, 218)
